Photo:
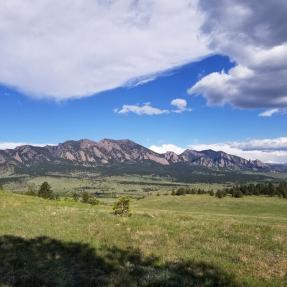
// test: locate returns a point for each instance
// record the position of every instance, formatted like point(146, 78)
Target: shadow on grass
point(47, 262)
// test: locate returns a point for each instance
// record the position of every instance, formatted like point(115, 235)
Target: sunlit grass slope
point(193, 240)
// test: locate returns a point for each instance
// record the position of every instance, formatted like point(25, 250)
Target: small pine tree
point(1, 187)
point(85, 197)
point(211, 193)
point(219, 194)
point(237, 193)
point(46, 191)
point(76, 196)
point(122, 207)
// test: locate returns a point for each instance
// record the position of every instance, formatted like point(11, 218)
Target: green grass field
point(193, 240)
point(133, 185)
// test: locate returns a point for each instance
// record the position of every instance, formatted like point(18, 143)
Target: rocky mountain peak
point(108, 151)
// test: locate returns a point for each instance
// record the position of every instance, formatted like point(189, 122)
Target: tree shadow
point(48, 262)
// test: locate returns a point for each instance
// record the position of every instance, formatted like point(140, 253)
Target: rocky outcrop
point(90, 153)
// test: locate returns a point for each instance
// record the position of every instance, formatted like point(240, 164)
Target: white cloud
point(70, 48)
point(254, 35)
point(269, 113)
point(166, 147)
point(181, 105)
point(145, 109)
point(276, 144)
point(266, 150)
point(267, 156)
point(12, 145)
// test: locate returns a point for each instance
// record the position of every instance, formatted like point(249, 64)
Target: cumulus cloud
point(70, 48)
point(266, 150)
point(254, 35)
point(267, 156)
point(180, 104)
point(276, 144)
point(167, 147)
point(12, 145)
point(145, 109)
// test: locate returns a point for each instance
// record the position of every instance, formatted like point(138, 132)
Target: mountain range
point(106, 152)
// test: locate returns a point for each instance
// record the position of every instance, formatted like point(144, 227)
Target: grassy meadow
point(105, 186)
point(192, 240)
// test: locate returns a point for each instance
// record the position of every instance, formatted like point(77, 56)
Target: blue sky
point(74, 80)
point(47, 121)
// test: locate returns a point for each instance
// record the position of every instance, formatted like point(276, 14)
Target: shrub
point(180, 191)
point(75, 196)
point(46, 191)
point(88, 198)
point(237, 194)
point(122, 207)
point(211, 193)
point(220, 194)
point(93, 201)
point(85, 197)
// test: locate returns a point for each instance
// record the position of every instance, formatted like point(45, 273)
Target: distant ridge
point(108, 151)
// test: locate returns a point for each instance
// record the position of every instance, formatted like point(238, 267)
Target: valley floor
point(192, 240)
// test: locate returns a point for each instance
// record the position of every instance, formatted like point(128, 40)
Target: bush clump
point(89, 199)
point(237, 193)
point(211, 193)
point(122, 207)
point(220, 193)
point(45, 191)
point(76, 196)
point(93, 201)
point(85, 197)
